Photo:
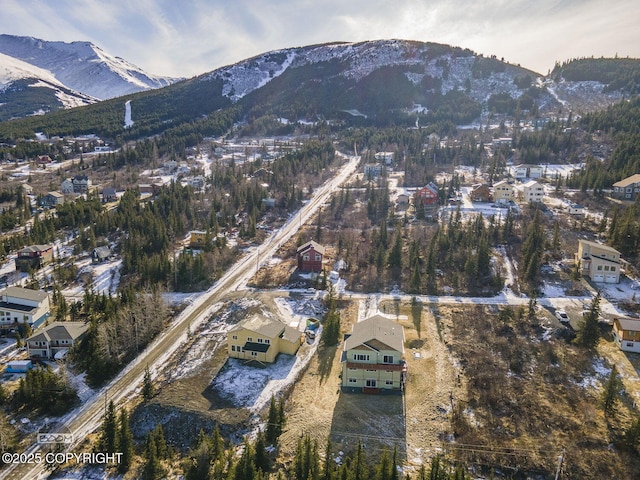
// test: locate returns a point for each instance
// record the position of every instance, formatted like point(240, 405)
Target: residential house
point(575, 209)
point(199, 238)
point(402, 199)
point(109, 194)
point(528, 171)
point(480, 192)
point(34, 257)
point(385, 157)
point(598, 262)
point(310, 257)
point(66, 186)
point(627, 189)
point(81, 184)
point(55, 340)
point(532, 191)
point(427, 195)
point(261, 339)
point(22, 305)
point(42, 160)
point(101, 254)
point(52, 199)
point(503, 192)
point(372, 357)
point(626, 334)
point(373, 170)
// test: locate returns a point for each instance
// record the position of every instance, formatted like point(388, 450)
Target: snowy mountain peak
point(81, 66)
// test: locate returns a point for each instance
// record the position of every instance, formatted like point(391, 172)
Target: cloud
point(194, 36)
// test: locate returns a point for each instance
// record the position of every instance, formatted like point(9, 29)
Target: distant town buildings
point(532, 191)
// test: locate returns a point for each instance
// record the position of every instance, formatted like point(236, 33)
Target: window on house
point(254, 354)
point(371, 382)
point(613, 269)
point(387, 359)
point(318, 257)
point(235, 337)
point(599, 267)
point(259, 340)
point(388, 382)
point(305, 257)
point(359, 357)
point(267, 341)
point(606, 268)
point(233, 348)
point(371, 370)
point(353, 380)
point(629, 344)
point(249, 339)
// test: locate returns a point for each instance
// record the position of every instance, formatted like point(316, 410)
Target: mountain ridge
point(376, 82)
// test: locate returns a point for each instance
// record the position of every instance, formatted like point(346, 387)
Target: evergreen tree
point(147, 385)
point(109, 436)
point(125, 442)
point(611, 392)
point(589, 332)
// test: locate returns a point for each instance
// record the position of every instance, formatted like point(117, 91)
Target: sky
point(184, 38)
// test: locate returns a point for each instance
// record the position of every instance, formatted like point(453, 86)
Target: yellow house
point(372, 357)
point(598, 262)
point(261, 339)
point(503, 192)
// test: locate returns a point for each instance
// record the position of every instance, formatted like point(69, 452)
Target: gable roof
point(60, 331)
point(628, 324)
point(600, 246)
point(262, 325)
point(26, 293)
point(628, 181)
point(316, 246)
point(375, 331)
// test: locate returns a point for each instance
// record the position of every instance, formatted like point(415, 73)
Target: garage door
point(610, 279)
point(598, 277)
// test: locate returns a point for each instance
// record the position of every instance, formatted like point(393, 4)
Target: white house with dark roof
point(372, 357)
point(55, 339)
point(22, 305)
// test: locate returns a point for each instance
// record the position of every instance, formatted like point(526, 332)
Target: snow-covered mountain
point(82, 66)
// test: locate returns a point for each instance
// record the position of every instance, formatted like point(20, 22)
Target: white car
point(562, 315)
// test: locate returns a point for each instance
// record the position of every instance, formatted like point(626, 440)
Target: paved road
point(88, 417)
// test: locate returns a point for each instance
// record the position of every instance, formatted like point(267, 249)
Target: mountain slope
point(82, 66)
point(29, 90)
point(379, 82)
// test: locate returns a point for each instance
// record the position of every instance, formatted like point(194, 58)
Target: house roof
point(530, 184)
point(55, 194)
point(35, 248)
point(102, 251)
point(502, 183)
point(376, 329)
point(628, 181)
point(290, 334)
point(26, 293)
point(108, 191)
point(60, 331)
point(316, 246)
point(628, 324)
point(262, 325)
point(599, 245)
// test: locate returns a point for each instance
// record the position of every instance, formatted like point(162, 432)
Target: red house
point(310, 257)
point(427, 195)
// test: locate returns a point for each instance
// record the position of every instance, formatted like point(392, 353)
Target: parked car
point(562, 315)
